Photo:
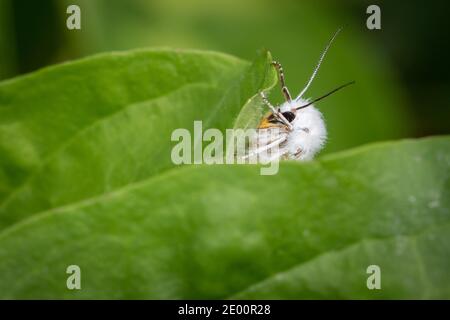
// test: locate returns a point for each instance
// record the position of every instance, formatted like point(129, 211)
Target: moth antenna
point(325, 95)
point(316, 69)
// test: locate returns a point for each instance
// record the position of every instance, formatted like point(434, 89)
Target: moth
point(295, 129)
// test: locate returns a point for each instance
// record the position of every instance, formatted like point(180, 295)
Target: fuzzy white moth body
point(294, 130)
point(308, 135)
point(302, 141)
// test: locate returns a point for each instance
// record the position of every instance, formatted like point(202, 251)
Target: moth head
point(270, 120)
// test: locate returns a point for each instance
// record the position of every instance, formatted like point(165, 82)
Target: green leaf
point(225, 231)
point(86, 179)
point(78, 130)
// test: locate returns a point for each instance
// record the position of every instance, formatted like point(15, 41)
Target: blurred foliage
point(7, 61)
point(413, 38)
point(401, 83)
point(73, 187)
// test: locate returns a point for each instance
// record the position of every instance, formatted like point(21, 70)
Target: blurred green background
point(400, 71)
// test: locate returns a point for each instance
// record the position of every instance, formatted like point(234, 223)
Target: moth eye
point(272, 119)
point(290, 116)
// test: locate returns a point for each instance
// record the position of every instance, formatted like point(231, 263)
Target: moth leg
point(298, 153)
point(275, 111)
point(284, 88)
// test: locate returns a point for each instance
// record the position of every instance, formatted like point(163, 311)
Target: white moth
point(295, 129)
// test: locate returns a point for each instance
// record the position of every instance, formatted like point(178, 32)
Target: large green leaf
point(225, 231)
point(86, 128)
point(86, 179)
